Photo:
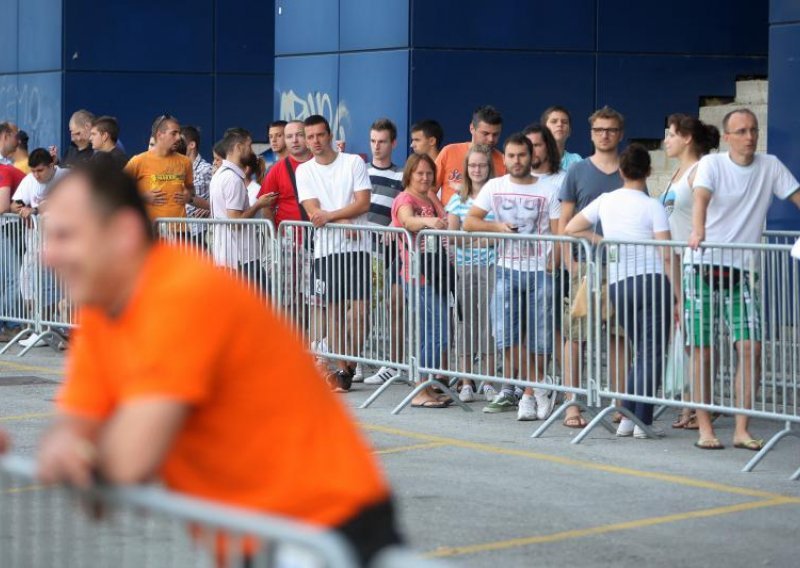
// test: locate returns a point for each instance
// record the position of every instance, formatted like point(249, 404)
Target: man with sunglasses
point(585, 182)
point(165, 178)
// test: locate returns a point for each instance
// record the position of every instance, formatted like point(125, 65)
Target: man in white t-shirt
point(236, 246)
point(732, 193)
point(334, 188)
point(523, 293)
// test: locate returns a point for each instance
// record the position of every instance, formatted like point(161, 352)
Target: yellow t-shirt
point(22, 165)
point(170, 174)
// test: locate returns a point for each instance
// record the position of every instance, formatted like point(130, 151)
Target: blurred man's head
point(237, 145)
point(608, 129)
point(80, 127)
point(517, 156)
point(8, 138)
point(486, 126)
point(318, 135)
point(42, 165)
point(740, 128)
point(426, 137)
point(96, 230)
point(191, 137)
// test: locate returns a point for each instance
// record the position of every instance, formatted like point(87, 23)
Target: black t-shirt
point(73, 156)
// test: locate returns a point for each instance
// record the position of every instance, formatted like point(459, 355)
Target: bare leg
point(702, 391)
point(746, 382)
point(573, 351)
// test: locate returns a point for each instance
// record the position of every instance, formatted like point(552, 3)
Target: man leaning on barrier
point(139, 403)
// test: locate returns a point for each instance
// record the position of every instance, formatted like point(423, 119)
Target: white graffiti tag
point(294, 107)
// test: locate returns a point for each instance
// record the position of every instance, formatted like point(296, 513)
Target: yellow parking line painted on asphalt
point(29, 416)
point(398, 449)
point(24, 489)
point(32, 368)
point(572, 462)
point(610, 528)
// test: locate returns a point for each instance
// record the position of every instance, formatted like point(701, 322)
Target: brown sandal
point(577, 422)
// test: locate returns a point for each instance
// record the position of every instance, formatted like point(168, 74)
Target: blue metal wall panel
point(447, 85)
point(39, 35)
point(683, 26)
point(8, 39)
point(505, 24)
point(245, 101)
point(138, 99)
point(648, 88)
point(245, 37)
point(784, 113)
point(309, 84)
point(373, 24)
point(33, 102)
point(362, 98)
point(142, 35)
point(783, 11)
point(306, 26)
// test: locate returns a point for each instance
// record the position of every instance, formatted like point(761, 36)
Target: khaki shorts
point(577, 328)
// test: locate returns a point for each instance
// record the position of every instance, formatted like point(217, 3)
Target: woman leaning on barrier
point(415, 211)
point(687, 139)
point(474, 277)
point(641, 278)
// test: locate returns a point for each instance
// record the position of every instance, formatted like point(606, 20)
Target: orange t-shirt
point(170, 174)
point(450, 168)
point(195, 334)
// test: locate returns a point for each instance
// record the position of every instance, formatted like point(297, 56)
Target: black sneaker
point(340, 381)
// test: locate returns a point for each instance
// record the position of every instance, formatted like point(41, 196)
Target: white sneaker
point(640, 434)
point(34, 340)
point(527, 408)
point(545, 400)
point(489, 393)
point(383, 375)
point(358, 374)
point(466, 394)
point(625, 428)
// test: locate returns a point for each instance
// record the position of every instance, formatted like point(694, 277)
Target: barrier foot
point(598, 419)
point(659, 411)
point(381, 389)
point(795, 476)
point(16, 339)
point(430, 383)
point(756, 459)
point(43, 337)
point(557, 414)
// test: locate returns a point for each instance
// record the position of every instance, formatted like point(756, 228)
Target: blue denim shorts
point(523, 305)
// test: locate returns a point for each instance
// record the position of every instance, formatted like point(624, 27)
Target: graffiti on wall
point(30, 108)
point(295, 107)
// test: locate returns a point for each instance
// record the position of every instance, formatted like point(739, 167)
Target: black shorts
point(343, 276)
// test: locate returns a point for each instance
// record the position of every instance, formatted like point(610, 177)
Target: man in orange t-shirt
point(165, 177)
point(141, 403)
point(485, 128)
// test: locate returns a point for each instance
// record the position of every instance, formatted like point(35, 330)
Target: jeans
point(523, 304)
point(432, 326)
point(9, 265)
point(642, 306)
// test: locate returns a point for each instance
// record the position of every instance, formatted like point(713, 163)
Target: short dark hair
point(22, 139)
point(519, 139)
point(430, 129)
point(220, 149)
point(412, 163)
point(384, 124)
point(315, 119)
point(634, 162)
point(553, 155)
point(109, 125)
point(111, 191)
point(40, 157)
point(191, 134)
point(487, 114)
point(158, 123)
point(234, 136)
point(8, 128)
point(277, 124)
point(743, 110)
point(555, 108)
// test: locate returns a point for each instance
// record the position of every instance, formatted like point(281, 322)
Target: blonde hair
point(466, 186)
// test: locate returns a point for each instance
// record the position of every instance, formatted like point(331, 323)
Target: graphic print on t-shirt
point(530, 215)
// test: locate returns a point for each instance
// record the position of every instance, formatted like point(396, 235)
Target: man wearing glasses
point(732, 193)
point(164, 176)
point(585, 182)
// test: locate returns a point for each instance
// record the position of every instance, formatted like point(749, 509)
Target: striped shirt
point(469, 256)
point(387, 183)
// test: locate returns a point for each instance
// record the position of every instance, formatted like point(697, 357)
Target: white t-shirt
point(678, 199)
point(738, 208)
point(252, 194)
point(529, 207)
point(31, 192)
point(334, 185)
point(227, 191)
point(629, 215)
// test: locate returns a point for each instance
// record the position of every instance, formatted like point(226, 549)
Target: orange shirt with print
point(230, 361)
point(170, 174)
point(450, 168)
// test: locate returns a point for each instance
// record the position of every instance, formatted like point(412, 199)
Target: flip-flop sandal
point(576, 422)
point(751, 444)
point(692, 424)
point(682, 421)
point(430, 404)
point(709, 444)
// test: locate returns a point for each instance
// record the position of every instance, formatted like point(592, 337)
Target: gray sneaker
point(503, 402)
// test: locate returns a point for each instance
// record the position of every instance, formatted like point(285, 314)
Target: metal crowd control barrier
point(18, 307)
point(243, 246)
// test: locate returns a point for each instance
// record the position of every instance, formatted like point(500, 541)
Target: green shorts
point(710, 301)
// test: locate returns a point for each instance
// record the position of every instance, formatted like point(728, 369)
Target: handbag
point(677, 366)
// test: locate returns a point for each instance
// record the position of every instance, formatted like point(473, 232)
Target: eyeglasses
point(743, 131)
point(160, 121)
point(608, 131)
point(477, 166)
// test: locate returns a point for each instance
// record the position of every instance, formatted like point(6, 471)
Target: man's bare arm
point(702, 197)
